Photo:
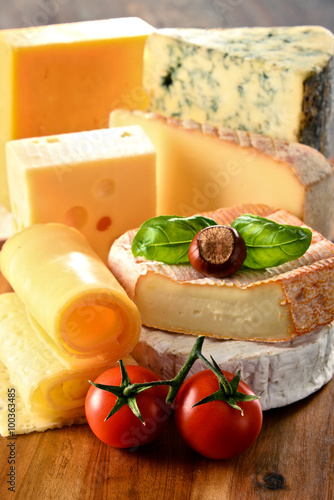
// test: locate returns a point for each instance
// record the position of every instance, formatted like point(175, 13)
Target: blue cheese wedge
point(280, 373)
point(275, 81)
point(274, 304)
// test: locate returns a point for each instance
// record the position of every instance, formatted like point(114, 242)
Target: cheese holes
point(103, 224)
point(51, 140)
point(105, 188)
point(76, 217)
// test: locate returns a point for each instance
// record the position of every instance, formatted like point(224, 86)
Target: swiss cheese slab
point(95, 181)
point(202, 168)
point(272, 304)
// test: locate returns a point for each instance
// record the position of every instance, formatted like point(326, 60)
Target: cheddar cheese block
point(277, 81)
point(37, 391)
point(72, 299)
point(202, 168)
point(95, 181)
point(271, 304)
point(280, 373)
point(67, 77)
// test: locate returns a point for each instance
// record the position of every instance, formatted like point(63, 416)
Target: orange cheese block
point(67, 78)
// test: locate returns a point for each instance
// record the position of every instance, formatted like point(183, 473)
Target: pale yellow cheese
point(67, 77)
point(201, 168)
point(72, 299)
point(267, 305)
point(37, 391)
point(102, 182)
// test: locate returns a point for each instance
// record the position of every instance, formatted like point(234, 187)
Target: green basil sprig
point(167, 238)
point(270, 244)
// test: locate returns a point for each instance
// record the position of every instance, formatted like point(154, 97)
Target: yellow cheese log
point(37, 391)
point(67, 78)
point(72, 299)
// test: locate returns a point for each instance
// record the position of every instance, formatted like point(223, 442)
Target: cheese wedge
point(268, 305)
point(280, 373)
point(67, 77)
point(276, 81)
point(95, 181)
point(202, 168)
point(72, 299)
point(37, 391)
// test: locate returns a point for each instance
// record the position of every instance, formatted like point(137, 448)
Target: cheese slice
point(37, 391)
point(272, 304)
point(277, 81)
point(73, 300)
point(67, 77)
point(95, 181)
point(202, 168)
point(280, 373)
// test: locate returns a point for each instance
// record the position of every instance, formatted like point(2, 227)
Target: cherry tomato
point(215, 429)
point(124, 429)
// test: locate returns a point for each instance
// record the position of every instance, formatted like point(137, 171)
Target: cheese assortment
point(277, 81)
point(202, 168)
point(88, 180)
point(67, 77)
point(213, 124)
point(271, 304)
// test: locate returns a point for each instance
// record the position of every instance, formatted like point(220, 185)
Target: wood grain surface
point(293, 457)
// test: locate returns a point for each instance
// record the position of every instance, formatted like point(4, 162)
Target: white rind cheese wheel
point(280, 373)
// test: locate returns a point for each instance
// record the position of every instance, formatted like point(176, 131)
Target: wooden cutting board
point(291, 459)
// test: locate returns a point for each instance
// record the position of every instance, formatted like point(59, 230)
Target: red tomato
point(124, 429)
point(215, 429)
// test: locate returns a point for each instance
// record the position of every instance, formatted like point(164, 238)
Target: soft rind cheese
point(67, 77)
point(202, 168)
point(271, 304)
point(280, 374)
point(95, 181)
point(277, 81)
point(72, 299)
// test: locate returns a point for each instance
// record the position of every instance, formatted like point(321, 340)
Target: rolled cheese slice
point(72, 299)
point(37, 388)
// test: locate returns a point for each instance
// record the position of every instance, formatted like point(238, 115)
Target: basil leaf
point(270, 244)
point(167, 238)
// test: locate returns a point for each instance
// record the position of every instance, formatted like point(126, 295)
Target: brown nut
point(217, 251)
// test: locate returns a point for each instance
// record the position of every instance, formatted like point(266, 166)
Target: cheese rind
point(272, 304)
point(280, 374)
point(67, 77)
point(277, 81)
point(73, 300)
point(202, 168)
point(94, 181)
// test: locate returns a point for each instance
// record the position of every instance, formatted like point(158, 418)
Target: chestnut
point(217, 251)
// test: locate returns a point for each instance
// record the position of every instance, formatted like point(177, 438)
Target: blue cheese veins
point(273, 81)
